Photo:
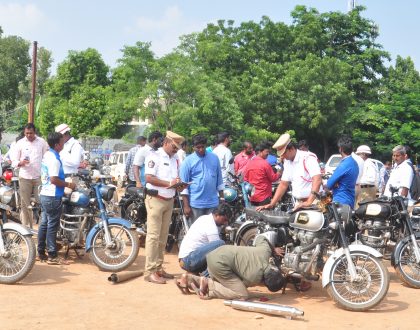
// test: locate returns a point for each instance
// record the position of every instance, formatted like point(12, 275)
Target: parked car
point(117, 161)
point(335, 159)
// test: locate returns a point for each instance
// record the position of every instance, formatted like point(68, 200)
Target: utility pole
point(351, 4)
point(32, 101)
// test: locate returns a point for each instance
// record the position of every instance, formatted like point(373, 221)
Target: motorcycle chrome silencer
point(272, 309)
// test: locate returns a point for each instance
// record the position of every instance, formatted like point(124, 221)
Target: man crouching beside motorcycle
point(233, 269)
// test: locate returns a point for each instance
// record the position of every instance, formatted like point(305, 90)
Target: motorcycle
point(10, 198)
point(315, 242)
point(110, 242)
point(17, 252)
point(386, 225)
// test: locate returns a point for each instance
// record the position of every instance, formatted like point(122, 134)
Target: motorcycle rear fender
point(242, 229)
point(98, 226)
point(395, 257)
point(338, 253)
point(19, 228)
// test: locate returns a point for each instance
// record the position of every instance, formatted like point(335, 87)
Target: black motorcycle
point(315, 242)
point(385, 225)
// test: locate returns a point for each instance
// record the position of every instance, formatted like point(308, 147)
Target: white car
point(117, 161)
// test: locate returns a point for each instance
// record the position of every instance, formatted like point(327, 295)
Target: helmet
point(363, 149)
point(98, 162)
point(229, 194)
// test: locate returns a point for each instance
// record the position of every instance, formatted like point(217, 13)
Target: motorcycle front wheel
point(19, 257)
point(122, 253)
point(408, 270)
point(367, 290)
point(248, 237)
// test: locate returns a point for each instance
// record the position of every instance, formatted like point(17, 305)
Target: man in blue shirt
point(202, 168)
point(343, 181)
point(52, 191)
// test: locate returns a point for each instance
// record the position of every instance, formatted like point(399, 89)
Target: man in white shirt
point(72, 154)
point(141, 142)
point(202, 238)
point(401, 175)
point(370, 176)
point(301, 169)
point(225, 155)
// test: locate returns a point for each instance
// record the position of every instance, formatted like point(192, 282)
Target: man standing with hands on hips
point(161, 171)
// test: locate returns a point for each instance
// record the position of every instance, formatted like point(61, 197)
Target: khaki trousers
point(27, 188)
point(159, 214)
point(368, 193)
point(228, 288)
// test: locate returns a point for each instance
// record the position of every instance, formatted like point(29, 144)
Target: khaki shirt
point(246, 262)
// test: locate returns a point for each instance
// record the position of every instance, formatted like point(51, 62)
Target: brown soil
point(79, 296)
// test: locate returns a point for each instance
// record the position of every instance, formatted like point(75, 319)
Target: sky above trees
point(61, 26)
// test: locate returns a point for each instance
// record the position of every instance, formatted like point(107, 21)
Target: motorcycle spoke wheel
point(19, 257)
point(408, 269)
point(248, 237)
point(367, 290)
point(121, 254)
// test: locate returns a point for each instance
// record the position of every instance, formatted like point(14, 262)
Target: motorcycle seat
point(135, 191)
point(271, 216)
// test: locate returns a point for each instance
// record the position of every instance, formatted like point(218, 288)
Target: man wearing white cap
point(301, 169)
point(370, 177)
point(72, 153)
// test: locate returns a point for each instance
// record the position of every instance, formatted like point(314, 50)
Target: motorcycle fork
point(2, 248)
point(413, 239)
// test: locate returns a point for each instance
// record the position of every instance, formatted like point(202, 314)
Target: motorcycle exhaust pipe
point(124, 276)
point(270, 309)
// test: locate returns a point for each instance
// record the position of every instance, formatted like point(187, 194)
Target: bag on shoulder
point(415, 185)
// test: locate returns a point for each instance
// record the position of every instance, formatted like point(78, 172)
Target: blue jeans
point(51, 208)
point(196, 261)
point(199, 212)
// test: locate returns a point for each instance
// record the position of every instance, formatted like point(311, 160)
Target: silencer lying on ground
point(271, 309)
point(124, 276)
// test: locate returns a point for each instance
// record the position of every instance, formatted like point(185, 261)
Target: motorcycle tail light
point(8, 175)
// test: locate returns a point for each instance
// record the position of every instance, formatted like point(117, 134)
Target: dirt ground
point(79, 296)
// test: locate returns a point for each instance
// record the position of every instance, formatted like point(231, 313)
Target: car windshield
point(335, 161)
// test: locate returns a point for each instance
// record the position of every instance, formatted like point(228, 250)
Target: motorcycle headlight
point(106, 170)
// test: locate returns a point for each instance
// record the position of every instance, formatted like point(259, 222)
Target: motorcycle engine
point(374, 234)
point(71, 221)
point(294, 258)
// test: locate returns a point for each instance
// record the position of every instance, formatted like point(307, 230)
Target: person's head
point(387, 164)
point(408, 152)
point(222, 214)
point(30, 131)
point(224, 138)
point(184, 145)
point(141, 140)
point(56, 141)
point(263, 150)
point(172, 143)
point(398, 154)
point(247, 148)
point(199, 142)
point(345, 146)
point(363, 151)
point(155, 139)
point(65, 130)
point(273, 278)
point(303, 145)
point(285, 145)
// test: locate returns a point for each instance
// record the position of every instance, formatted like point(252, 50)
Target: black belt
point(367, 185)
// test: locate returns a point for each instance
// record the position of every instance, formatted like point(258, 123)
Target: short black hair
point(303, 143)
point(29, 126)
point(53, 139)
point(221, 137)
point(345, 144)
point(292, 144)
point(273, 279)
point(246, 144)
point(224, 210)
point(155, 135)
point(262, 146)
point(199, 139)
point(141, 138)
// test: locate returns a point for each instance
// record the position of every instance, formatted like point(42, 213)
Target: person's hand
point(187, 211)
point(263, 207)
point(83, 164)
point(71, 185)
point(279, 251)
point(138, 184)
point(23, 162)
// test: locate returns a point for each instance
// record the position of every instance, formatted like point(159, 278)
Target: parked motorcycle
point(315, 242)
point(10, 198)
point(111, 242)
point(385, 225)
point(17, 252)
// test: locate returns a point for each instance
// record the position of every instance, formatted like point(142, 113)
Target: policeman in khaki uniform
point(161, 171)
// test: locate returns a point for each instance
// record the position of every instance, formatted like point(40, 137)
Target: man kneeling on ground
point(202, 238)
point(233, 269)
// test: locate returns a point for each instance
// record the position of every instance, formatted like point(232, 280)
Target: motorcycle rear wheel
point(122, 255)
point(407, 269)
point(248, 237)
point(359, 295)
point(20, 259)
